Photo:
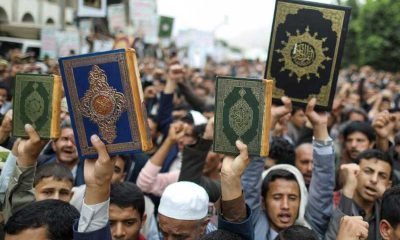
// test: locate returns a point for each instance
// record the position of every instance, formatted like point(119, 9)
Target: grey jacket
point(318, 204)
point(348, 207)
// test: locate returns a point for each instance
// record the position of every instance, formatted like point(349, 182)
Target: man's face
point(125, 223)
point(356, 143)
point(299, 119)
point(50, 188)
point(373, 179)
point(30, 233)
point(304, 162)
point(173, 229)
point(65, 147)
point(119, 173)
point(282, 203)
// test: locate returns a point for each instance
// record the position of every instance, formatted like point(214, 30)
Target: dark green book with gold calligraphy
point(105, 97)
point(242, 111)
point(305, 51)
point(37, 101)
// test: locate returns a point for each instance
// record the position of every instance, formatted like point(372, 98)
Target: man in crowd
point(126, 214)
point(284, 195)
point(297, 121)
point(186, 215)
point(93, 220)
point(65, 152)
point(304, 161)
point(358, 137)
point(365, 184)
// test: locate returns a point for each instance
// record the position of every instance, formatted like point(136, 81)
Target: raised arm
point(164, 118)
point(193, 161)
point(20, 189)
point(93, 222)
point(150, 179)
point(236, 217)
point(320, 204)
point(383, 124)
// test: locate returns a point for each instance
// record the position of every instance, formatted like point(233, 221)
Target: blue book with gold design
point(105, 97)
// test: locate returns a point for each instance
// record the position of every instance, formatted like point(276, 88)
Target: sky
point(243, 23)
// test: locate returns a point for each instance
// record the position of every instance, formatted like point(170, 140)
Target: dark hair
point(55, 170)
point(346, 115)
point(390, 206)
point(375, 153)
point(56, 216)
point(221, 235)
point(282, 151)
point(357, 126)
point(272, 176)
point(127, 160)
point(296, 109)
point(126, 195)
point(296, 232)
point(209, 108)
point(65, 124)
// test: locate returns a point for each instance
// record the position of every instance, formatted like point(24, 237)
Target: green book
point(37, 101)
point(165, 26)
point(242, 111)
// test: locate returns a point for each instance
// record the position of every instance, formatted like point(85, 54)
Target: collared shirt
point(350, 207)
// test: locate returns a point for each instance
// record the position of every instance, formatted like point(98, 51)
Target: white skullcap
point(198, 118)
point(184, 201)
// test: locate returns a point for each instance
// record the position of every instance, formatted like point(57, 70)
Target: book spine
point(267, 118)
point(138, 99)
point(55, 108)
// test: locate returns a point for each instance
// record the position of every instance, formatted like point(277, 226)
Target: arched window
point(3, 16)
point(50, 21)
point(27, 18)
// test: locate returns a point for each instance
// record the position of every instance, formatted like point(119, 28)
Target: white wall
point(7, 6)
point(28, 6)
point(51, 10)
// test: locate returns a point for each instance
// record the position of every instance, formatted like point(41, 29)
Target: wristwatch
point(326, 142)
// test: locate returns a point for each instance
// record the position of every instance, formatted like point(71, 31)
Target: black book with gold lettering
point(305, 51)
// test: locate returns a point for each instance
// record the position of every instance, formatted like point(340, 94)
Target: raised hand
point(382, 124)
point(6, 126)
point(98, 174)
point(176, 131)
point(236, 166)
point(318, 120)
point(231, 171)
point(352, 228)
point(28, 150)
point(281, 111)
point(349, 172)
point(176, 72)
point(209, 131)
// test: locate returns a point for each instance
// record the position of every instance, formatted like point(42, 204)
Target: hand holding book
point(28, 150)
point(98, 174)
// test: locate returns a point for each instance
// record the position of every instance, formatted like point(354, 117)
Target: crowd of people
point(329, 175)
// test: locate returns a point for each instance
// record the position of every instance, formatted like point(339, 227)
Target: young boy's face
point(50, 188)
